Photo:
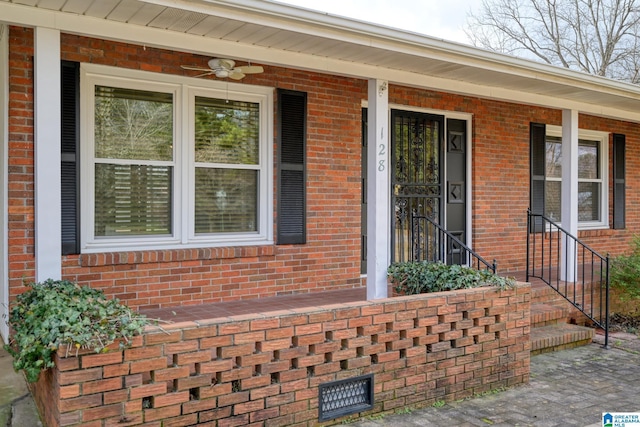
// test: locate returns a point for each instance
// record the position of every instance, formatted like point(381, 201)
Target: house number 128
point(382, 152)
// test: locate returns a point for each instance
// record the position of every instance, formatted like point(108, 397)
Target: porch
point(285, 304)
point(265, 368)
point(262, 360)
point(556, 324)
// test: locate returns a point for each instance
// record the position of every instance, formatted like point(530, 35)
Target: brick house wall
point(331, 257)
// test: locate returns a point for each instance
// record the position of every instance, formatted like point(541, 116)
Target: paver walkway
point(17, 408)
point(567, 388)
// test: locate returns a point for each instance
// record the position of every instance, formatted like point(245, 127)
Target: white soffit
point(273, 33)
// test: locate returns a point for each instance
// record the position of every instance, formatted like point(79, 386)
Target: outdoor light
point(382, 88)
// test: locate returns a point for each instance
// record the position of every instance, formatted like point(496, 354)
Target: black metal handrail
point(549, 249)
point(431, 242)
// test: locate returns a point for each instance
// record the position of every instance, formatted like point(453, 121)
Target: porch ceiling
point(283, 35)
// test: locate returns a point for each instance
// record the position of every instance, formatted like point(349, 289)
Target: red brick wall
point(264, 369)
point(20, 162)
point(500, 172)
point(331, 258)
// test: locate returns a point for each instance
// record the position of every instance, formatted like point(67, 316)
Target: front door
point(416, 175)
point(428, 178)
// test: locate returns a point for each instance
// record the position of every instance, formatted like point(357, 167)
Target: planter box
point(266, 368)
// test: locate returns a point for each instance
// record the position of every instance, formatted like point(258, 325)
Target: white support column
point(378, 192)
point(569, 202)
point(4, 142)
point(48, 246)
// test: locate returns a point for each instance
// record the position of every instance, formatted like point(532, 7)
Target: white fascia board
point(110, 30)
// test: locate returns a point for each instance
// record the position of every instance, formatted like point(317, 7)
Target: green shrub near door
point(410, 278)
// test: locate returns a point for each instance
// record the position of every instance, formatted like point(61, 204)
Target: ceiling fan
point(225, 68)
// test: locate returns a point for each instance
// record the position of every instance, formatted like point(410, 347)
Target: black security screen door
point(416, 176)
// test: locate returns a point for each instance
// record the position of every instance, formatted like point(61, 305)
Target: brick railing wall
point(264, 369)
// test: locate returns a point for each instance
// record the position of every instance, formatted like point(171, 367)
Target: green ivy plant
point(410, 278)
point(59, 312)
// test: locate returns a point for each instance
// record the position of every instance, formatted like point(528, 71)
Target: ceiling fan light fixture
point(217, 63)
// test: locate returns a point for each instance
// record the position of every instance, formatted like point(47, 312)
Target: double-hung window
point(170, 162)
point(227, 166)
point(592, 196)
point(133, 162)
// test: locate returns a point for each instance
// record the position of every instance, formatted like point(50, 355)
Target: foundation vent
point(349, 396)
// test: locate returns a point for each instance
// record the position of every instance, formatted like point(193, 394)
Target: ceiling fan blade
point(208, 73)
point(187, 67)
point(236, 75)
point(249, 69)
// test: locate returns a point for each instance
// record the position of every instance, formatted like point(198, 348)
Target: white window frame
point(261, 167)
point(184, 91)
point(602, 138)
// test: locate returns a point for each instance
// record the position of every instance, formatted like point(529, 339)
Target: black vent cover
point(339, 398)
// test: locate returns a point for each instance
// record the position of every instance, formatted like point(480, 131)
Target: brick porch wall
point(264, 369)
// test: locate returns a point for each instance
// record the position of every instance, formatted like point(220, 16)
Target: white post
point(4, 141)
point(569, 193)
point(48, 246)
point(378, 192)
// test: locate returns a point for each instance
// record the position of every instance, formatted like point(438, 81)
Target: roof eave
point(345, 29)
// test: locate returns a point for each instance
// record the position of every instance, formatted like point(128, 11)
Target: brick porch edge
point(264, 369)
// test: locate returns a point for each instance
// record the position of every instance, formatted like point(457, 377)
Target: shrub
point(624, 272)
point(59, 312)
point(411, 278)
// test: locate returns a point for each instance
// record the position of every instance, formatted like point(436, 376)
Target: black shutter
point(291, 188)
point(70, 84)
point(364, 183)
point(538, 140)
point(619, 197)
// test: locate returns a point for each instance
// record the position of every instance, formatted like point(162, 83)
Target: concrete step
point(547, 314)
point(545, 339)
